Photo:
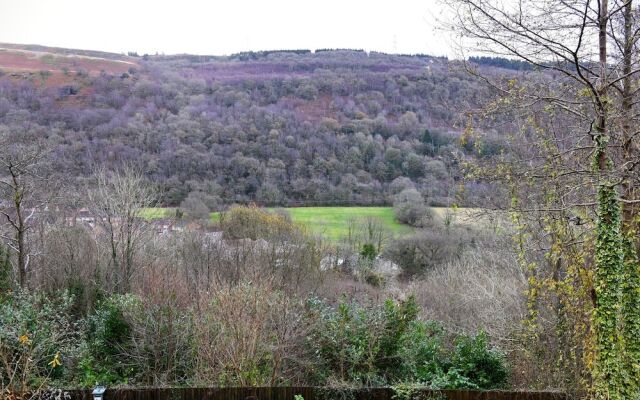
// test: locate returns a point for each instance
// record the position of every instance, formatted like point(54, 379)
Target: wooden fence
point(308, 393)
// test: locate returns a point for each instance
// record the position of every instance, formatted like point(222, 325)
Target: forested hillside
point(277, 128)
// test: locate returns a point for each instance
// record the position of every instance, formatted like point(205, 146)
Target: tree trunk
point(609, 257)
point(631, 270)
point(20, 234)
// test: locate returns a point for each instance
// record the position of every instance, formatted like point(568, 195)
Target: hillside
point(276, 128)
point(51, 67)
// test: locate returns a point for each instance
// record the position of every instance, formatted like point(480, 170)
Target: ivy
point(609, 257)
point(631, 317)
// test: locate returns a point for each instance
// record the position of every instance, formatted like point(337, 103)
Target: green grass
point(157, 212)
point(333, 222)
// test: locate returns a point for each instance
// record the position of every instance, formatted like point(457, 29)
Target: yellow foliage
point(252, 222)
point(24, 340)
point(55, 362)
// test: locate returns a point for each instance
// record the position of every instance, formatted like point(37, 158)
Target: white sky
point(224, 27)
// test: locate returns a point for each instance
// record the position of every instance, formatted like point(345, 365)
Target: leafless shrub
point(69, 260)
point(483, 289)
point(428, 249)
point(161, 332)
point(250, 335)
point(194, 264)
point(367, 230)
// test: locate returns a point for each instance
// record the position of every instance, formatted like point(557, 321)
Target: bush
point(470, 364)
point(484, 368)
point(368, 251)
point(423, 350)
point(38, 342)
point(374, 279)
point(348, 342)
point(247, 334)
point(409, 208)
point(389, 344)
point(130, 340)
point(480, 290)
point(161, 350)
point(108, 338)
point(252, 222)
point(195, 208)
point(250, 335)
point(418, 253)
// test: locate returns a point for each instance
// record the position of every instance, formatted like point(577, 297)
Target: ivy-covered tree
point(572, 176)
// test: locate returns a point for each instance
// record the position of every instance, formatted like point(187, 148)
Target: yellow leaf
point(56, 361)
point(24, 340)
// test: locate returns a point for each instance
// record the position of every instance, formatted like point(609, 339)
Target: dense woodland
point(278, 128)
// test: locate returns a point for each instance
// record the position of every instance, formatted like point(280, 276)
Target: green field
point(157, 212)
point(333, 222)
point(330, 222)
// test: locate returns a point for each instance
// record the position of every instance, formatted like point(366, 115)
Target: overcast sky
point(224, 27)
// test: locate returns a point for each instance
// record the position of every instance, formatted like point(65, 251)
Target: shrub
point(247, 334)
point(38, 342)
point(373, 278)
point(108, 338)
point(431, 361)
point(138, 341)
point(251, 335)
point(409, 208)
point(480, 290)
point(485, 368)
point(424, 348)
point(252, 222)
point(161, 350)
point(368, 251)
point(418, 253)
point(130, 340)
point(346, 341)
point(389, 344)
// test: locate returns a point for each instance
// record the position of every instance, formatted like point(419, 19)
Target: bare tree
point(368, 230)
point(22, 182)
point(118, 200)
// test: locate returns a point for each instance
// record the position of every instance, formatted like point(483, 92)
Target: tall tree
point(118, 200)
point(24, 190)
point(574, 161)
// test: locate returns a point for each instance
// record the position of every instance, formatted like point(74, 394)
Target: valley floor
point(333, 222)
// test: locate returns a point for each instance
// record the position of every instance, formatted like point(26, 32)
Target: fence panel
point(308, 393)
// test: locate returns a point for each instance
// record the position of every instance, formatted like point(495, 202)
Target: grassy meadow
point(333, 222)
